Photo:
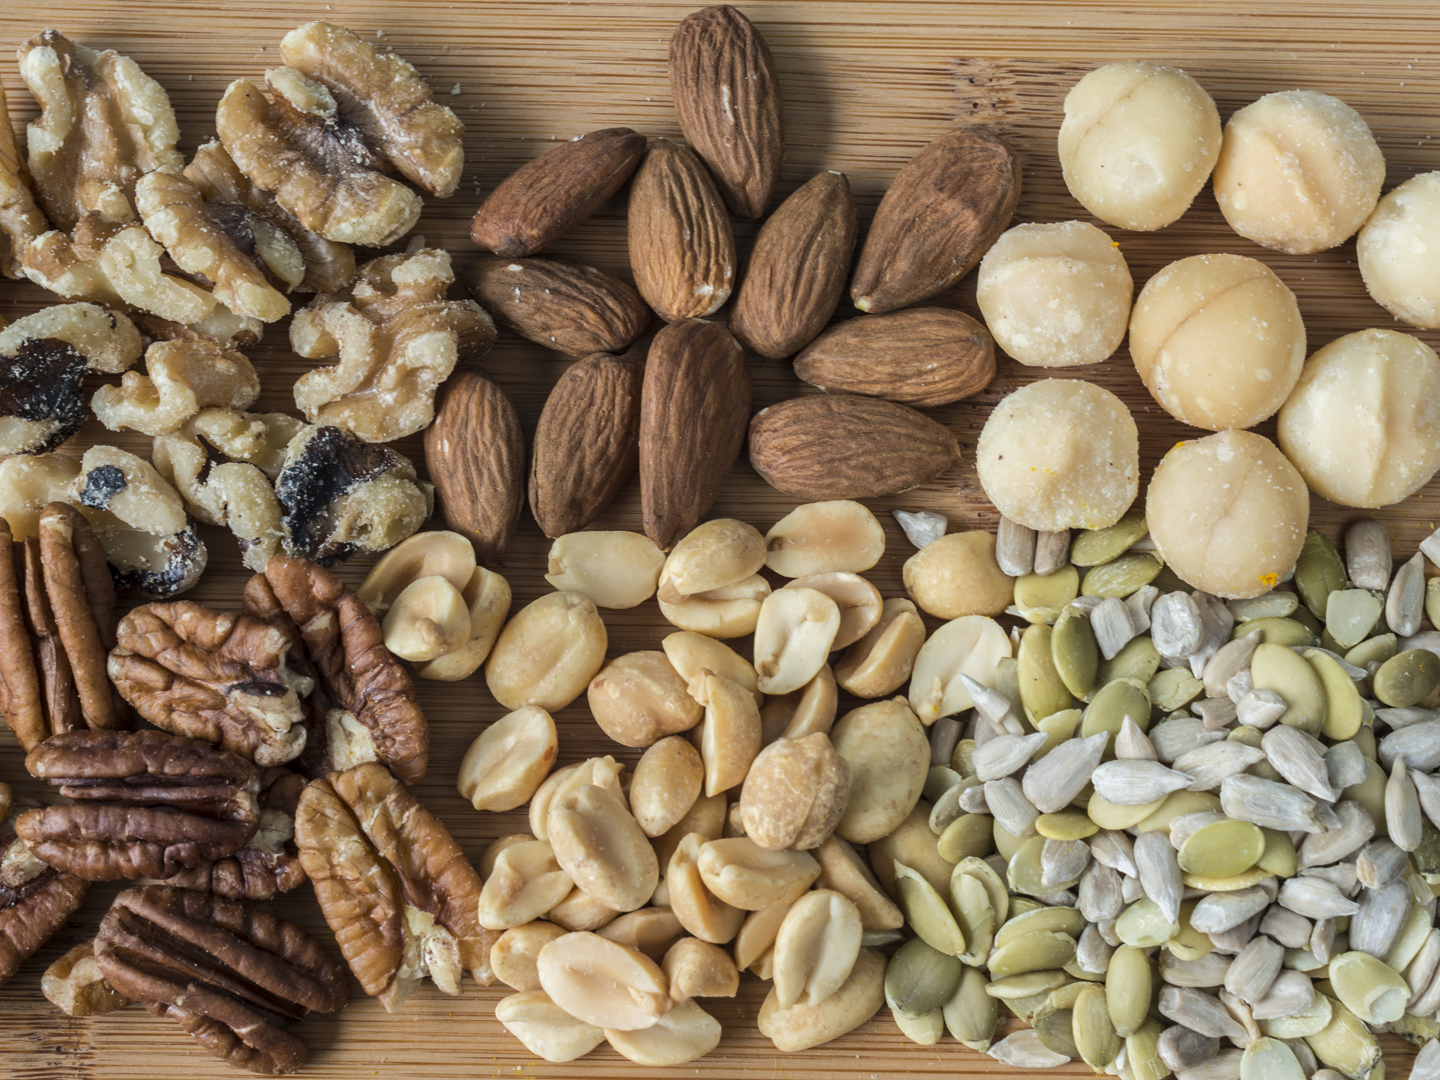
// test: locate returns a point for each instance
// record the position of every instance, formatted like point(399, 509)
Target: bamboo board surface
point(865, 86)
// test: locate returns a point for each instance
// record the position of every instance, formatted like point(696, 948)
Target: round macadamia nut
point(957, 575)
point(1055, 295)
point(1228, 513)
point(1218, 340)
point(1060, 454)
point(1299, 171)
point(1399, 252)
point(1138, 143)
point(1363, 425)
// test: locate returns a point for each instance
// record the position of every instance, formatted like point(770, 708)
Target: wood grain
point(865, 86)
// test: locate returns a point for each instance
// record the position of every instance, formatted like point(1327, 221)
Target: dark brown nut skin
point(372, 849)
point(252, 873)
point(41, 384)
point(213, 675)
point(233, 976)
point(32, 912)
point(548, 196)
point(148, 804)
point(353, 669)
point(587, 442)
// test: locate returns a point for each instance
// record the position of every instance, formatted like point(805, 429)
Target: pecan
point(214, 675)
point(267, 865)
point(393, 884)
point(234, 977)
point(35, 900)
point(147, 803)
point(75, 985)
point(361, 690)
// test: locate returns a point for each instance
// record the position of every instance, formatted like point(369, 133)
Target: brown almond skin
point(693, 410)
point(944, 210)
point(722, 78)
point(587, 443)
point(682, 250)
point(843, 446)
point(921, 357)
point(797, 270)
point(475, 455)
point(566, 306)
point(549, 195)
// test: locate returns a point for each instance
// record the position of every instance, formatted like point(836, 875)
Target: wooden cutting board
point(865, 86)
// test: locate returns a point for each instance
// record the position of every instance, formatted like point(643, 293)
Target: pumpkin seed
point(1270, 1059)
point(1350, 615)
point(1042, 690)
point(1142, 1051)
point(1174, 688)
point(1344, 711)
point(1025, 874)
point(1128, 983)
point(1091, 547)
point(1054, 1027)
point(1174, 805)
point(1279, 857)
point(1373, 991)
point(1143, 924)
point(921, 1030)
point(920, 979)
point(1092, 1030)
point(1346, 1044)
point(1032, 952)
point(1030, 984)
point(1075, 653)
point(1060, 727)
point(969, 834)
point(1222, 849)
point(1138, 660)
point(1040, 598)
point(1112, 703)
point(1189, 943)
point(1048, 920)
point(1275, 631)
point(927, 913)
point(1121, 576)
point(975, 917)
point(1375, 650)
point(1407, 678)
point(1273, 605)
point(971, 1014)
point(1108, 815)
point(1065, 825)
point(1284, 671)
point(1001, 902)
point(1319, 571)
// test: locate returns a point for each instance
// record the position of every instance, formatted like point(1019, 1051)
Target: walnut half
point(181, 378)
point(21, 220)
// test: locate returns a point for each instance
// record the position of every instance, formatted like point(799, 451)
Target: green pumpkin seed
point(962, 760)
point(1055, 1029)
point(1092, 1029)
point(1025, 1007)
point(1030, 984)
point(1350, 615)
point(1370, 792)
point(920, 979)
point(975, 917)
point(1033, 952)
point(1075, 971)
point(1049, 920)
point(1059, 726)
point(1175, 804)
point(1022, 905)
point(1007, 681)
point(1302, 1022)
point(939, 780)
point(1001, 901)
point(1138, 660)
point(1123, 576)
point(927, 913)
point(1095, 546)
point(1042, 690)
point(947, 806)
point(1064, 997)
point(1319, 571)
point(1221, 849)
point(1111, 704)
point(1006, 842)
point(1279, 857)
point(1112, 816)
point(1273, 605)
point(1407, 678)
point(1041, 599)
point(1344, 711)
point(1278, 668)
point(1377, 649)
point(1142, 1052)
point(1128, 981)
point(971, 1014)
point(1371, 989)
point(1065, 825)
point(921, 1030)
point(1285, 632)
point(968, 835)
point(1346, 1044)
point(1075, 652)
point(1143, 924)
point(1023, 873)
point(1174, 688)
point(1189, 943)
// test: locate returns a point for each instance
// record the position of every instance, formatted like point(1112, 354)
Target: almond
point(728, 100)
point(797, 270)
point(843, 446)
point(693, 411)
point(566, 306)
point(548, 196)
point(921, 357)
point(475, 455)
point(587, 443)
point(681, 248)
point(942, 213)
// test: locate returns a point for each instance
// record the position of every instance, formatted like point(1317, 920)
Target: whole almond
point(682, 250)
point(567, 306)
point(475, 455)
point(797, 270)
point(921, 357)
point(587, 443)
point(843, 446)
point(944, 210)
point(728, 100)
point(693, 411)
point(549, 195)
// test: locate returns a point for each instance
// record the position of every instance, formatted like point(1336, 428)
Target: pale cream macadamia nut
point(1218, 340)
point(1299, 171)
point(548, 653)
point(1055, 295)
point(509, 760)
point(1398, 250)
point(1137, 143)
point(615, 569)
point(1228, 513)
point(1060, 454)
point(957, 575)
point(638, 699)
point(181, 378)
point(824, 538)
point(1363, 424)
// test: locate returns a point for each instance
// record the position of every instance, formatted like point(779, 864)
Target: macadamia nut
point(1228, 513)
point(1055, 295)
point(958, 575)
point(1138, 143)
point(1299, 171)
point(1218, 340)
point(1399, 252)
point(1060, 454)
point(1363, 425)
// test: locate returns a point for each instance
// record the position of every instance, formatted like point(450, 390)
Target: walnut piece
point(147, 804)
point(268, 865)
point(342, 496)
point(235, 977)
point(397, 338)
point(43, 360)
point(181, 378)
point(358, 683)
point(325, 266)
point(214, 675)
point(75, 985)
point(35, 901)
point(21, 220)
point(197, 238)
point(393, 884)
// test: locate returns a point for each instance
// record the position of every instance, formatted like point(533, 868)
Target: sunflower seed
point(944, 735)
point(1272, 805)
point(1006, 801)
point(1014, 548)
point(1380, 863)
point(1052, 551)
point(1270, 1059)
point(1006, 754)
point(1428, 1001)
point(1240, 1011)
point(1052, 783)
point(1216, 622)
point(1300, 759)
point(1212, 765)
point(1132, 744)
point(1240, 684)
point(1175, 625)
point(1223, 1066)
point(1182, 1048)
point(989, 703)
point(1219, 912)
point(1024, 1050)
point(1395, 719)
point(1237, 937)
point(1423, 968)
point(1100, 894)
point(1198, 1011)
point(1291, 992)
point(1376, 925)
point(1419, 744)
point(922, 527)
point(1159, 872)
point(1113, 626)
point(972, 800)
point(1405, 603)
point(1063, 861)
point(1286, 927)
point(1134, 783)
point(1426, 1065)
point(1206, 972)
point(1231, 659)
point(1315, 898)
point(1215, 713)
point(1402, 808)
point(1345, 765)
point(1092, 951)
point(1254, 969)
point(1130, 889)
point(1139, 604)
point(1175, 738)
point(1324, 849)
point(1342, 875)
point(1427, 788)
point(1367, 554)
point(1115, 850)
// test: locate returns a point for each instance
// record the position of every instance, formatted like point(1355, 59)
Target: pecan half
point(35, 901)
point(234, 977)
point(393, 884)
point(214, 675)
point(267, 865)
point(147, 804)
point(362, 692)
